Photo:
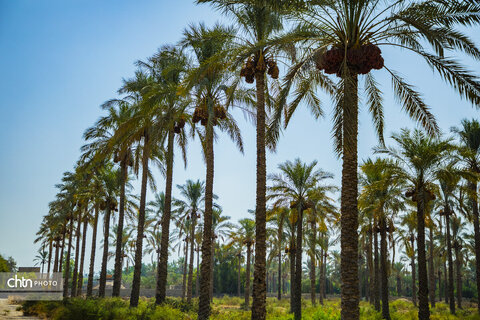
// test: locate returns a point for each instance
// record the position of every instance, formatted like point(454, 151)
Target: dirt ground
point(9, 311)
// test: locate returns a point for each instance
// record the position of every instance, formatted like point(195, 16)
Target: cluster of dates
point(112, 204)
point(129, 158)
point(252, 65)
point(412, 193)
point(360, 59)
point(179, 125)
point(201, 114)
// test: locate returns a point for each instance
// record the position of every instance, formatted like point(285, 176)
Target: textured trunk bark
point(73, 293)
point(349, 206)
point(297, 298)
point(445, 271)
point(239, 273)
point(259, 290)
point(184, 281)
point(92, 253)
point(67, 262)
point(161, 289)
point(439, 274)
point(321, 277)
point(292, 272)
point(55, 263)
point(370, 266)
point(423, 308)
point(279, 293)
point(476, 229)
point(399, 285)
point(376, 279)
point(49, 255)
point(431, 269)
point(312, 263)
point(384, 267)
point(414, 273)
point(247, 277)
point(458, 265)
point(204, 307)
point(117, 273)
point(451, 298)
point(197, 277)
point(192, 258)
point(60, 267)
point(82, 258)
point(106, 233)
point(212, 270)
point(135, 294)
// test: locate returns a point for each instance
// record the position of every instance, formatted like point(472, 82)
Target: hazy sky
point(61, 59)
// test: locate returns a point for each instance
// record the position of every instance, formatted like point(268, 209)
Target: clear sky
point(61, 59)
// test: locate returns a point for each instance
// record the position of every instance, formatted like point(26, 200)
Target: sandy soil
point(9, 311)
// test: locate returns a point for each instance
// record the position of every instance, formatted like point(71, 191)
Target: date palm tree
point(383, 189)
point(258, 22)
point(344, 38)
point(193, 193)
point(296, 182)
point(214, 92)
point(246, 236)
point(469, 150)
point(419, 157)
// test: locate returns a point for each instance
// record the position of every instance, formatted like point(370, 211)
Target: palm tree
point(277, 217)
point(419, 157)
point(296, 182)
point(337, 37)
point(246, 236)
point(41, 258)
point(193, 193)
point(457, 236)
point(210, 85)
point(382, 187)
point(259, 21)
point(469, 150)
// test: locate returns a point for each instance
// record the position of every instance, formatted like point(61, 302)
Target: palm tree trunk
point(321, 278)
point(106, 233)
point(297, 298)
point(439, 284)
point(349, 206)
point(371, 272)
point(204, 308)
point(49, 255)
point(117, 273)
point(384, 267)
point(197, 277)
point(431, 270)
point(292, 272)
point(279, 292)
point(423, 308)
point(82, 258)
point(134, 296)
point(238, 276)
point(184, 271)
point(67, 262)
point(247, 276)
point(414, 272)
point(192, 256)
point(312, 263)
point(161, 289)
point(476, 228)
point(73, 293)
point(376, 279)
point(445, 270)
point(259, 291)
point(212, 268)
point(451, 298)
point(57, 249)
point(458, 264)
point(92, 253)
point(60, 267)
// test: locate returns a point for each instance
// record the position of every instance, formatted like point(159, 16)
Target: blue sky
point(61, 59)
